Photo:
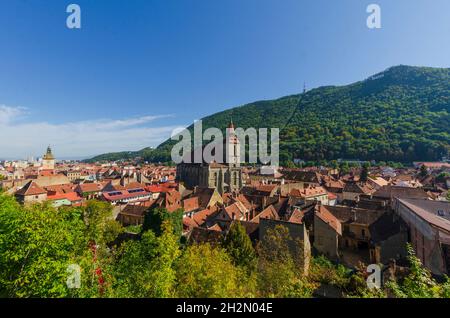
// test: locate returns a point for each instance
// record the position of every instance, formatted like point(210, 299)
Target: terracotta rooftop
point(31, 188)
point(327, 217)
point(267, 213)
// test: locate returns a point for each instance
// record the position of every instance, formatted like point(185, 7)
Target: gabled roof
point(60, 188)
point(335, 184)
point(90, 187)
point(70, 196)
point(265, 189)
point(296, 217)
point(204, 195)
point(134, 210)
point(243, 199)
point(190, 204)
point(303, 176)
point(124, 194)
point(267, 213)
point(236, 211)
point(390, 192)
point(379, 181)
point(358, 187)
point(439, 208)
point(134, 185)
point(189, 222)
point(354, 215)
point(31, 188)
point(327, 217)
point(427, 216)
point(308, 192)
point(203, 216)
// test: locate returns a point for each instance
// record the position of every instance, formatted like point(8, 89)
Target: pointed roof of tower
point(231, 125)
point(49, 155)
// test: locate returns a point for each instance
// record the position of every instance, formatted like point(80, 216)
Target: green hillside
point(401, 114)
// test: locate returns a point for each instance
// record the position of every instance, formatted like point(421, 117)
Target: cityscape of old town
point(224, 156)
point(322, 224)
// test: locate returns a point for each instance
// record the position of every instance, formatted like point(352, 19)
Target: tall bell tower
point(233, 148)
point(48, 161)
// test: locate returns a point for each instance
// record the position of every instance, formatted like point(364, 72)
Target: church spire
point(231, 125)
point(49, 155)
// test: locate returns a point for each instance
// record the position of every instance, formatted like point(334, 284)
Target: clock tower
point(48, 161)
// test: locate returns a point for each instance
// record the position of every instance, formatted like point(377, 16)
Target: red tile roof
point(296, 217)
point(31, 188)
point(71, 196)
point(90, 187)
point(327, 217)
point(190, 204)
point(201, 217)
point(267, 213)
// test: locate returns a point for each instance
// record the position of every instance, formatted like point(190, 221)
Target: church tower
point(233, 148)
point(48, 161)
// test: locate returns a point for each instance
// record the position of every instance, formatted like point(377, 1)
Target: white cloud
point(8, 114)
point(76, 139)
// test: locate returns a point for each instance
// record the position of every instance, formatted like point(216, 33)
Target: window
point(441, 213)
point(363, 233)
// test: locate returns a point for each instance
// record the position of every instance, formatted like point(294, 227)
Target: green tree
point(364, 172)
point(37, 244)
point(154, 219)
point(423, 171)
point(344, 168)
point(101, 228)
point(239, 246)
point(204, 271)
point(323, 271)
point(280, 268)
point(418, 284)
point(145, 268)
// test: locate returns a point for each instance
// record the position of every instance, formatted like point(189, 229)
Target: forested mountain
point(401, 114)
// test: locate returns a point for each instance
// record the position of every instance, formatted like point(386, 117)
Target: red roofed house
point(311, 193)
point(31, 193)
point(126, 196)
point(235, 211)
point(170, 200)
point(268, 213)
point(429, 232)
point(89, 190)
point(190, 205)
point(327, 229)
point(59, 199)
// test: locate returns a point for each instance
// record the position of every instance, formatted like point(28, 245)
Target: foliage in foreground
point(39, 243)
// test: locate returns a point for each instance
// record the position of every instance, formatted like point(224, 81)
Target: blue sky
point(137, 69)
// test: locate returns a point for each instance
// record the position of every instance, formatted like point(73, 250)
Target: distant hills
point(401, 114)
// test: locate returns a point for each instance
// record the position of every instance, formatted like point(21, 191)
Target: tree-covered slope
point(401, 114)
